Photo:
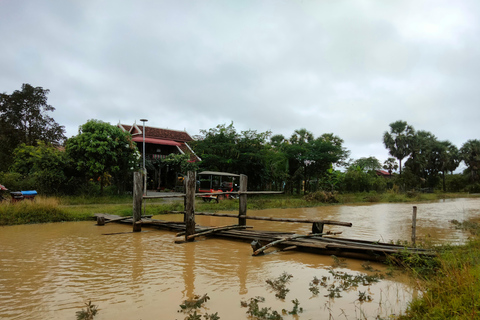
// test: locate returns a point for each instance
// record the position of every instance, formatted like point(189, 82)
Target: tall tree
point(390, 165)
point(398, 139)
point(24, 118)
point(101, 149)
point(470, 154)
point(367, 164)
point(449, 159)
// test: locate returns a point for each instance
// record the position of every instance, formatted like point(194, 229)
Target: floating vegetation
point(88, 313)
point(342, 281)
point(339, 262)
point(258, 313)
point(296, 309)
point(364, 297)
point(196, 303)
point(279, 285)
point(368, 267)
point(472, 227)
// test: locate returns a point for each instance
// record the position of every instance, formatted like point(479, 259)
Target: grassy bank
point(83, 208)
point(39, 211)
point(452, 289)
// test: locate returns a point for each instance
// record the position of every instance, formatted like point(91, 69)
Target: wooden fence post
point(242, 201)
point(414, 224)
point(137, 201)
point(190, 205)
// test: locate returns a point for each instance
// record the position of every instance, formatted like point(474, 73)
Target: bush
point(322, 196)
point(38, 211)
point(455, 182)
point(14, 181)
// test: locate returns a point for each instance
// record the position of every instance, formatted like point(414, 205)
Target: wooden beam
point(137, 201)
point(242, 201)
point(227, 215)
point(189, 219)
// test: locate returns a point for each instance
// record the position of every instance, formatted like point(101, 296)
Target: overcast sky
point(346, 67)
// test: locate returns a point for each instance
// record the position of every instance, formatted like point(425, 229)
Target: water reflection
point(50, 270)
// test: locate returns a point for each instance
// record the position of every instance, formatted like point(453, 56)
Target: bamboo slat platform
point(326, 245)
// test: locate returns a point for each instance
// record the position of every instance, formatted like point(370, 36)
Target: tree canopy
point(24, 118)
point(100, 150)
point(398, 140)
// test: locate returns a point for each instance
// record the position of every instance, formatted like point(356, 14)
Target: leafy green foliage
point(470, 154)
point(101, 150)
point(24, 118)
point(296, 308)
point(88, 313)
point(398, 140)
point(279, 285)
point(45, 164)
point(258, 313)
point(342, 281)
point(195, 303)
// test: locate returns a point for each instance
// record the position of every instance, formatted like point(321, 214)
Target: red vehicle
point(213, 181)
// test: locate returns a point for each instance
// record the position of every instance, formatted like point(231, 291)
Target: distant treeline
point(36, 155)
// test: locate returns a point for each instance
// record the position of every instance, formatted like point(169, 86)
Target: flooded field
point(50, 270)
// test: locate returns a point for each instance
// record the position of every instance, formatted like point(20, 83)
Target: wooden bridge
point(318, 241)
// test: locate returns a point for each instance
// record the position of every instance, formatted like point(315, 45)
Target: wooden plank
point(276, 242)
point(213, 230)
point(118, 219)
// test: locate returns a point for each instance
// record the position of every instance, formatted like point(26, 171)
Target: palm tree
point(470, 154)
point(397, 141)
point(449, 159)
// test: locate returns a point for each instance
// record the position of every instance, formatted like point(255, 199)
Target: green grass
point(453, 290)
point(39, 211)
point(55, 209)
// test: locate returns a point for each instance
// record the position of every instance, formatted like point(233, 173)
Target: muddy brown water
point(48, 271)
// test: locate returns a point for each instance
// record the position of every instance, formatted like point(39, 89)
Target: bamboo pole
point(227, 215)
point(242, 202)
point(298, 236)
point(414, 224)
point(190, 205)
point(137, 201)
point(213, 230)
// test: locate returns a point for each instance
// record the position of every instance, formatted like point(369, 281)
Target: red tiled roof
point(382, 173)
point(158, 133)
point(161, 136)
point(157, 141)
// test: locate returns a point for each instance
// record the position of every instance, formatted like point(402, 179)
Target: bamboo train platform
point(318, 243)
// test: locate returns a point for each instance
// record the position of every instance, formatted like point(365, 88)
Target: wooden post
point(317, 227)
point(242, 201)
point(190, 205)
point(137, 201)
point(414, 224)
point(100, 221)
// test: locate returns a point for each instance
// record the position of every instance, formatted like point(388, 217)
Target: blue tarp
point(29, 193)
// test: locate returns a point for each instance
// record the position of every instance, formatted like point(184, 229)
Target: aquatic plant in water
point(88, 313)
point(258, 313)
point(196, 303)
point(279, 285)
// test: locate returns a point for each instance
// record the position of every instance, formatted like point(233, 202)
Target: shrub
point(322, 196)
